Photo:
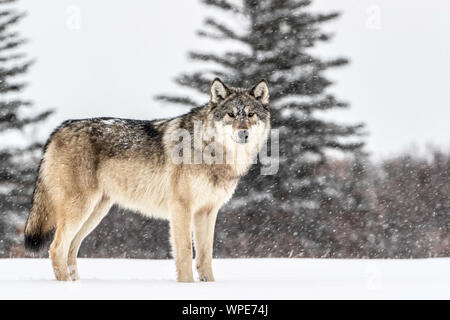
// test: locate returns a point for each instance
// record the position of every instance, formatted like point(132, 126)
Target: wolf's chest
point(209, 191)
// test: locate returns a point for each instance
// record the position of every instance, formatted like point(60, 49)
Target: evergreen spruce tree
point(276, 40)
point(18, 166)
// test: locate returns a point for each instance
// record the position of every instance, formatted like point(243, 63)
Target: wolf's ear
point(261, 92)
point(219, 91)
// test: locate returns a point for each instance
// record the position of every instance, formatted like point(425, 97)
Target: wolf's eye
point(251, 114)
point(231, 114)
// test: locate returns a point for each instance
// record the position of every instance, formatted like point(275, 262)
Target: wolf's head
point(242, 115)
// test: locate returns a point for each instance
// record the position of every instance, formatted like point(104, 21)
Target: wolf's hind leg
point(204, 222)
point(99, 212)
point(180, 230)
point(73, 213)
point(60, 247)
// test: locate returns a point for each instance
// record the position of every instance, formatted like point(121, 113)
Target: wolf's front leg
point(180, 229)
point(204, 222)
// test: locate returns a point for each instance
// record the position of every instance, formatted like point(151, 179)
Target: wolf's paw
point(205, 275)
point(73, 271)
point(75, 276)
point(205, 272)
point(207, 278)
point(61, 274)
point(65, 278)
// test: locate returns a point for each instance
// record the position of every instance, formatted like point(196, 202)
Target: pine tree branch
point(13, 20)
point(6, 13)
point(12, 57)
point(198, 80)
point(12, 44)
point(8, 110)
point(15, 70)
point(336, 62)
point(177, 100)
point(231, 60)
point(298, 4)
point(5, 88)
point(348, 147)
point(309, 85)
point(326, 103)
point(223, 31)
point(7, 1)
point(223, 4)
point(12, 121)
point(8, 36)
point(13, 104)
point(287, 61)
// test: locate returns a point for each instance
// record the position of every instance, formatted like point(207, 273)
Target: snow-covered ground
point(235, 279)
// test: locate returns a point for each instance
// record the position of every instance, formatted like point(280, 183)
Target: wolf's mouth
point(241, 137)
point(238, 140)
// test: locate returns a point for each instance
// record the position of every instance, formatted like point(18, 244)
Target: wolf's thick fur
point(88, 165)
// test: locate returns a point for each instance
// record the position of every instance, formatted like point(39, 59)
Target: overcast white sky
point(125, 52)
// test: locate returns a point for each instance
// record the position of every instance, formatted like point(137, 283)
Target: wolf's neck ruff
point(213, 144)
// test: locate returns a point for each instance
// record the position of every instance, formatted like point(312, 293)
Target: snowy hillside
point(236, 279)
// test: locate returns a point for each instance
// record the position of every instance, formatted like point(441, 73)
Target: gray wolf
point(89, 165)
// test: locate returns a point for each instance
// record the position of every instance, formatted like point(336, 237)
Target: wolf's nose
point(243, 135)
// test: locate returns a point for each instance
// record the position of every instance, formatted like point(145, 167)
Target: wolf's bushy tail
point(40, 223)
